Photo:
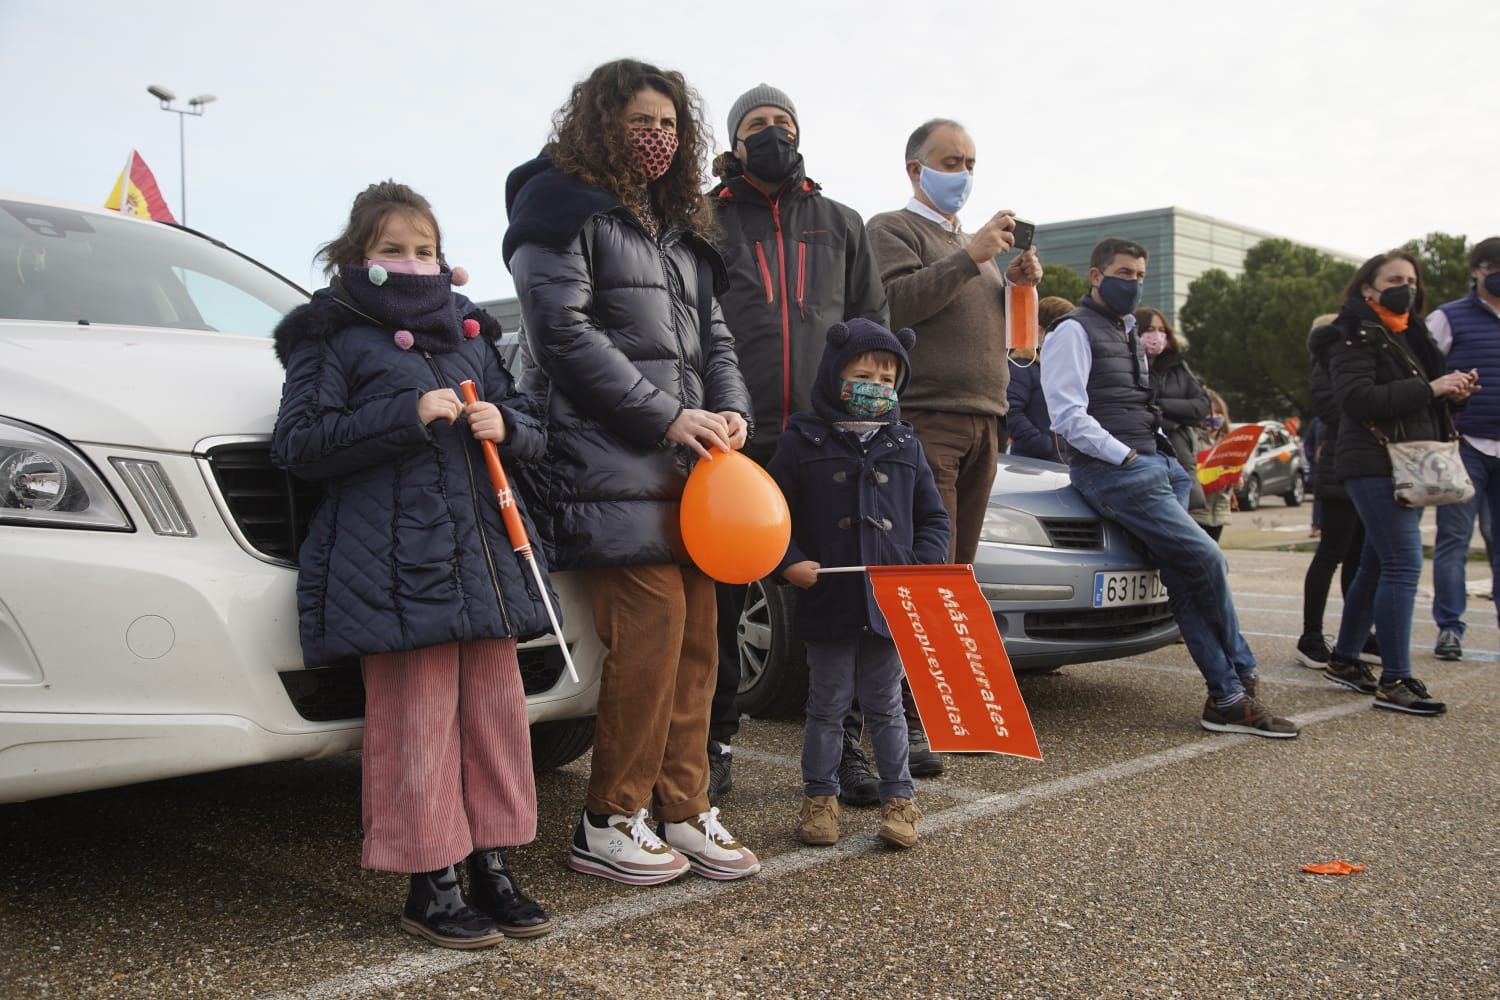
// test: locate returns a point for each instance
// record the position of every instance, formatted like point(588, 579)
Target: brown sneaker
point(898, 822)
point(1247, 716)
point(818, 823)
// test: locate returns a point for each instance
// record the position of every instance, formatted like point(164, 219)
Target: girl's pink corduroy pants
point(447, 755)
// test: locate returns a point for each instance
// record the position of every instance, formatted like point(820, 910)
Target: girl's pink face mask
point(406, 266)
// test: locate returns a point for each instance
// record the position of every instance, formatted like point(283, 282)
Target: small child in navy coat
point(861, 494)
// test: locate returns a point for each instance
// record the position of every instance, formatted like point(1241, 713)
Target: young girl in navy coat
point(861, 493)
point(406, 563)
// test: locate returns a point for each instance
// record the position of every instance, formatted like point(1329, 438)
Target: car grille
point(270, 507)
point(331, 693)
point(1093, 624)
point(1074, 533)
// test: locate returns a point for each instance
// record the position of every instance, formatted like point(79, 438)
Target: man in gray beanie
point(798, 263)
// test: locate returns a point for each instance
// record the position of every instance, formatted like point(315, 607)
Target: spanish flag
point(135, 192)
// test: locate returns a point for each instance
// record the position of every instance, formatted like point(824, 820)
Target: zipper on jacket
point(484, 541)
point(765, 271)
point(786, 320)
point(801, 276)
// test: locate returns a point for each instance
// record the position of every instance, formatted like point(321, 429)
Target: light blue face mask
point(947, 191)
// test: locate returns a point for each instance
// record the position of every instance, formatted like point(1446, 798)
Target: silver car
point(1065, 587)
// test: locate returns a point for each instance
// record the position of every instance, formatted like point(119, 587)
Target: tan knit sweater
point(957, 308)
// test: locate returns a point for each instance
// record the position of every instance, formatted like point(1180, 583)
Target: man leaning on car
point(1098, 389)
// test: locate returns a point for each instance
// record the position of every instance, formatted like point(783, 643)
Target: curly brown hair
point(590, 142)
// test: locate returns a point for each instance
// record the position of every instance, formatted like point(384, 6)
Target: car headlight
point(45, 481)
point(1008, 526)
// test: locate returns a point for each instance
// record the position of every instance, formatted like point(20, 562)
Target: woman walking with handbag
point(1391, 386)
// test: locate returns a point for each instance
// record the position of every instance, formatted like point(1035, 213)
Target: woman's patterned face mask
point(867, 400)
point(654, 150)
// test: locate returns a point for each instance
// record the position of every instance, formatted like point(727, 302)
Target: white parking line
point(432, 962)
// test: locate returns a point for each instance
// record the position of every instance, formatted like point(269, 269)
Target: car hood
point(160, 390)
point(1039, 488)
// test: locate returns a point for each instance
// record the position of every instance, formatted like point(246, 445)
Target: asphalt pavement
point(1143, 857)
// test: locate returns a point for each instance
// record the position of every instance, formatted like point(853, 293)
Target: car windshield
point(67, 266)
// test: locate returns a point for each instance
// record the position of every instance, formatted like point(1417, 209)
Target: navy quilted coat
point(407, 549)
point(617, 352)
point(855, 503)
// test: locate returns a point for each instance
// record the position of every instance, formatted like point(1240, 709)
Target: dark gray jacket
point(612, 326)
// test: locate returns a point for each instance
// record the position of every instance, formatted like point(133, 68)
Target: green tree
point(1445, 266)
point(1249, 333)
point(1061, 280)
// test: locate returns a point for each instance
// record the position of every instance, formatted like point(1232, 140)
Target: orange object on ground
point(1022, 328)
point(960, 675)
point(1334, 868)
point(735, 522)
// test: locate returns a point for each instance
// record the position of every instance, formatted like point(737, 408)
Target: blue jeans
point(1148, 498)
point(1384, 590)
point(837, 672)
point(1455, 528)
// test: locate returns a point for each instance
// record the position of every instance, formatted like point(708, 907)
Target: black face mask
point(1492, 282)
point(771, 154)
point(1399, 298)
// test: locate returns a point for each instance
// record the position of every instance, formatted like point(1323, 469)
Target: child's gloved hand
point(803, 574)
point(486, 421)
point(438, 404)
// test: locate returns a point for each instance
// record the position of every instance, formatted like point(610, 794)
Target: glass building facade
point(1181, 244)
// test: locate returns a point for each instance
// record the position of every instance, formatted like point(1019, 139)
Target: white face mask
point(1153, 342)
point(406, 266)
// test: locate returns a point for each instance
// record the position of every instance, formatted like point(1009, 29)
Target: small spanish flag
point(135, 192)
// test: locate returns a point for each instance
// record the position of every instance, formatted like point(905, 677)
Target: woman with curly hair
point(635, 371)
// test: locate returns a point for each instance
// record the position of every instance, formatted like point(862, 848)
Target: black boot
point(494, 890)
point(435, 909)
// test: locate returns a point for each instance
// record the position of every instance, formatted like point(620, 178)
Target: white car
point(148, 622)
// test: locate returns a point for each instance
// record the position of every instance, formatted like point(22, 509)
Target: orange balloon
point(735, 522)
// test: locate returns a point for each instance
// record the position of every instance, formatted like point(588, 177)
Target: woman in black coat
point(1341, 534)
point(1180, 396)
point(636, 374)
point(1390, 383)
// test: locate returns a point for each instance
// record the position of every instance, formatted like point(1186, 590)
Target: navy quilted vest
point(1119, 386)
point(1476, 344)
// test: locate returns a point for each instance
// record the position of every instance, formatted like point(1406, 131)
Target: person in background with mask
point(1180, 397)
point(1467, 330)
point(1214, 514)
point(1098, 387)
point(799, 262)
point(1390, 381)
point(944, 283)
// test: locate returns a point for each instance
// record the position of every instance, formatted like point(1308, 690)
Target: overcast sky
point(1353, 125)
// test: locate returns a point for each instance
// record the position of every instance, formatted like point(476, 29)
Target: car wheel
point(563, 741)
point(1250, 495)
point(1293, 497)
point(773, 665)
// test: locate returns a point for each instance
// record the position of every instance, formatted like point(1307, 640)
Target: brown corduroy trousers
point(651, 738)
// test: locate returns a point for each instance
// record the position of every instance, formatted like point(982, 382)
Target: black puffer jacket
point(1326, 476)
point(798, 263)
point(1183, 405)
point(407, 549)
point(1375, 381)
point(612, 326)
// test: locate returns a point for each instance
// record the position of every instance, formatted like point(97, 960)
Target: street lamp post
point(195, 108)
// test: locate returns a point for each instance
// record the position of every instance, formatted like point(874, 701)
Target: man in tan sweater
point(945, 284)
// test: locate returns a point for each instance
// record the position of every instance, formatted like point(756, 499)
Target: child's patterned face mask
point(654, 150)
point(867, 400)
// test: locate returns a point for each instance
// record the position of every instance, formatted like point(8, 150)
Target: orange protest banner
point(1220, 466)
point(950, 648)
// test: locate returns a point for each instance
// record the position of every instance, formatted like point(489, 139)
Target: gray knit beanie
point(754, 98)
